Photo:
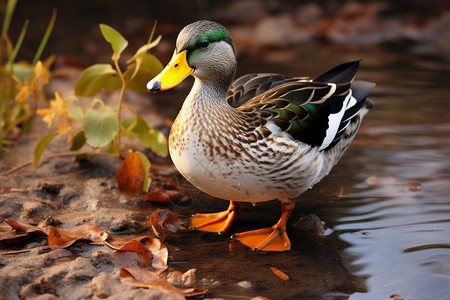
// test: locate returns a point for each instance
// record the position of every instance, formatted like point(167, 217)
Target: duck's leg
point(272, 238)
point(216, 222)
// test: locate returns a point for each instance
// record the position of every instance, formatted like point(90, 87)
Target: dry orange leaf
point(194, 292)
point(134, 255)
point(151, 250)
point(163, 220)
point(149, 279)
point(131, 175)
point(159, 251)
point(146, 279)
point(279, 273)
point(63, 239)
point(177, 278)
point(22, 234)
point(22, 227)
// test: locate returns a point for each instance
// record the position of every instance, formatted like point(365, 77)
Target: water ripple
point(426, 247)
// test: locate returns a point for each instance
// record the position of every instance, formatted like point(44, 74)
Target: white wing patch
point(334, 120)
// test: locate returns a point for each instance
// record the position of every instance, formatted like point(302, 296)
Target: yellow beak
point(174, 73)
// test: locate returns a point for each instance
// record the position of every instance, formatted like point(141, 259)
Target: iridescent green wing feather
point(315, 112)
point(299, 108)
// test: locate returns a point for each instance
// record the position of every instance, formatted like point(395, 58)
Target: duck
point(260, 137)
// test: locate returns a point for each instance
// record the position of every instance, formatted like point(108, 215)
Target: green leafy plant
point(100, 125)
point(21, 83)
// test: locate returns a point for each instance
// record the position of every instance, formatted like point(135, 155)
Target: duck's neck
point(206, 96)
point(204, 110)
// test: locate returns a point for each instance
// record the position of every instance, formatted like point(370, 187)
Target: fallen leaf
point(163, 220)
point(131, 175)
point(63, 239)
point(194, 292)
point(165, 196)
point(178, 279)
point(279, 273)
point(16, 233)
point(146, 279)
point(133, 254)
point(22, 227)
point(113, 246)
point(159, 251)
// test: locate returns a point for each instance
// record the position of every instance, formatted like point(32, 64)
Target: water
point(394, 221)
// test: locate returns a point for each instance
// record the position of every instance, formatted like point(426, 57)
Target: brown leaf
point(163, 220)
point(21, 234)
point(177, 278)
point(147, 279)
point(159, 251)
point(133, 254)
point(89, 232)
point(131, 175)
point(194, 292)
point(279, 273)
point(63, 239)
point(22, 227)
point(57, 239)
point(165, 196)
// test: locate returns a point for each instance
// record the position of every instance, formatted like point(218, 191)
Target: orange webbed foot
point(266, 239)
point(216, 222)
point(272, 238)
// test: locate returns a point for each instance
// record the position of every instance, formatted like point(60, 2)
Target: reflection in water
point(396, 221)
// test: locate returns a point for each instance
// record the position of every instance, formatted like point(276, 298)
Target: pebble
point(245, 284)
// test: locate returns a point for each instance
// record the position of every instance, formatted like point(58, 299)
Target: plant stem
point(119, 106)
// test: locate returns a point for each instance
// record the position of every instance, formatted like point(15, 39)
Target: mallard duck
point(261, 137)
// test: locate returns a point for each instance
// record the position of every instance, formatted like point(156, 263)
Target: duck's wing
point(250, 86)
point(314, 112)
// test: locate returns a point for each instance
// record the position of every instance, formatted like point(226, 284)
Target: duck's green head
point(204, 49)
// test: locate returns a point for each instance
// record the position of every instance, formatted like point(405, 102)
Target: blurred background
point(258, 26)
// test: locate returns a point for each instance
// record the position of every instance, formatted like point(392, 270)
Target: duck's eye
point(204, 43)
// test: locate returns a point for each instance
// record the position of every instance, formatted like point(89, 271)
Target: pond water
point(393, 213)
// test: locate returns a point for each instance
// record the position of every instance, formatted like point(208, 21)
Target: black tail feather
point(360, 89)
point(341, 74)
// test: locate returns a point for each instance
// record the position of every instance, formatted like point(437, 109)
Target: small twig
point(42, 248)
point(234, 296)
point(65, 154)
